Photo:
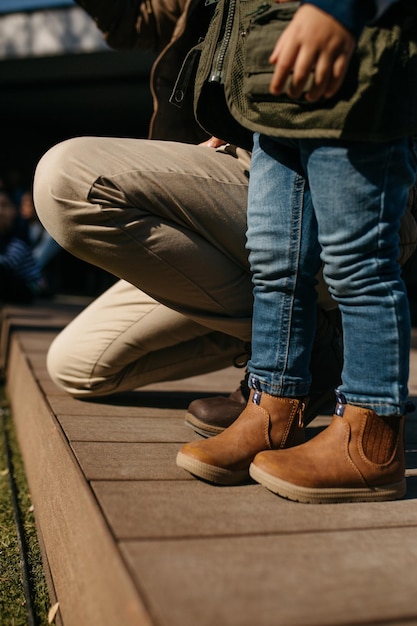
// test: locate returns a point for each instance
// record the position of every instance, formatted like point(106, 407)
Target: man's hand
point(312, 55)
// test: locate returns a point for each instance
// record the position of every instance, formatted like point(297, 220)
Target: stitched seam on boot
point(348, 457)
point(289, 421)
point(288, 426)
point(267, 422)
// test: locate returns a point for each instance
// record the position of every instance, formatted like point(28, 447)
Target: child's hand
point(314, 43)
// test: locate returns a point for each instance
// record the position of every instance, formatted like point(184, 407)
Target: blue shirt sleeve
point(353, 14)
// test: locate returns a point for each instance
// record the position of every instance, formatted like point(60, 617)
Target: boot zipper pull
point(340, 403)
point(301, 409)
point(257, 394)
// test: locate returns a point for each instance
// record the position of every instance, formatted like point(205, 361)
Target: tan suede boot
point(359, 458)
point(266, 423)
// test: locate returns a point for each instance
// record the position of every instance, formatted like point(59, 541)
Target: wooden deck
point(129, 539)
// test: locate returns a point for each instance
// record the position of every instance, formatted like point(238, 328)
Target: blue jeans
point(313, 202)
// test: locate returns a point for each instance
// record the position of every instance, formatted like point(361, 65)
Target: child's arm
point(315, 42)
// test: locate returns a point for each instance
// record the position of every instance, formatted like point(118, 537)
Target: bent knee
point(71, 370)
point(57, 174)
point(64, 372)
point(61, 186)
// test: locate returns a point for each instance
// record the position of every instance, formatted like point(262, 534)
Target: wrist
point(352, 14)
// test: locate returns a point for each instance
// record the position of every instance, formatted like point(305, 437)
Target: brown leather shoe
point(359, 458)
point(266, 423)
point(210, 416)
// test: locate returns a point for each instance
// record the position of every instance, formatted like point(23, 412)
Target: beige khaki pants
point(170, 220)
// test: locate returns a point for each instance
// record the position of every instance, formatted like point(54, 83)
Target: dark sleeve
point(353, 14)
point(115, 19)
point(127, 24)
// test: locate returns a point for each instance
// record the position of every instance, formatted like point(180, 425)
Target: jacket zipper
point(216, 75)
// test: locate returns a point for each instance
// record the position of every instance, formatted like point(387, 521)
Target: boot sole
point(211, 473)
point(310, 495)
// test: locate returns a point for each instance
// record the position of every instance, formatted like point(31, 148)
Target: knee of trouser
point(365, 280)
point(56, 364)
point(65, 371)
point(343, 282)
point(52, 173)
point(57, 187)
point(71, 371)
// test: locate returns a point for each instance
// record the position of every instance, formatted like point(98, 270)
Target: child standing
point(333, 196)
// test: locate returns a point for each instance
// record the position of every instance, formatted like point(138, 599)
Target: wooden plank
point(129, 461)
point(37, 317)
point(220, 382)
point(414, 338)
point(90, 579)
point(127, 429)
point(141, 403)
point(36, 343)
point(412, 383)
point(310, 579)
point(37, 359)
point(151, 509)
point(411, 429)
point(151, 460)
point(45, 383)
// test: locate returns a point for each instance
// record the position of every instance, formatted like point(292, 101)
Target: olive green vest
point(377, 101)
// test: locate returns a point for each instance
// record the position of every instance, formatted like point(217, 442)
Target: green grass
point(13, 610)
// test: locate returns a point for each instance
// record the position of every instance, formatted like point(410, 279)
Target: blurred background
point(58, 79)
